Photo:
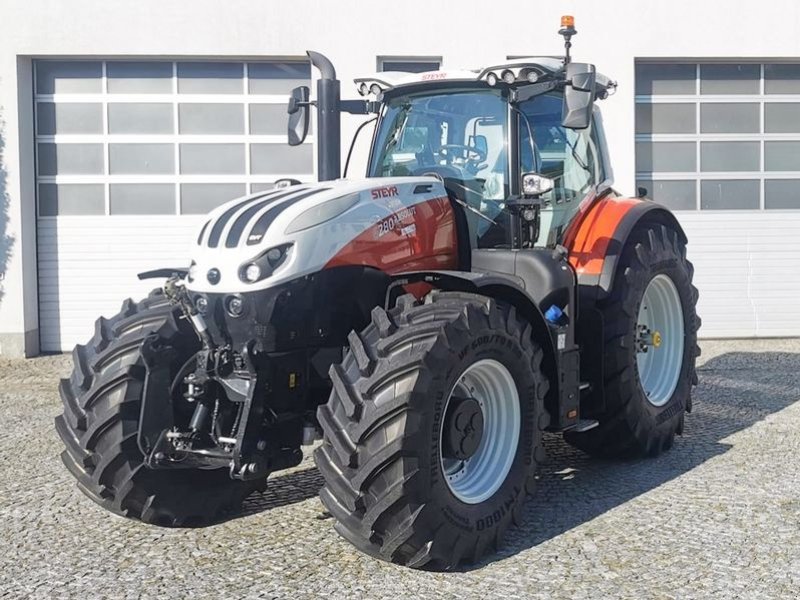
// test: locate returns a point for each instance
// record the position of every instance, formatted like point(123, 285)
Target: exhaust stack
point(329, 134)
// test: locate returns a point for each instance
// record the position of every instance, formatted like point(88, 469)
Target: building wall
point(352, 34)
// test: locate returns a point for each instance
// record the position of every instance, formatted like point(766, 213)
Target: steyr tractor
point(482, 285)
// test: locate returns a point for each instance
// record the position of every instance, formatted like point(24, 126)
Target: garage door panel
point(747, 271)
point(740, 202)
point(130, 154)
point(77, 284)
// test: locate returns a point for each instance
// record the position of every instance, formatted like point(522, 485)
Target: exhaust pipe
point(329, 134)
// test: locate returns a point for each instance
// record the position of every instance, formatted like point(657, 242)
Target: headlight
point(321, 213)
point(263, 265)
point(534, 184)
point(508, 76)
point(531, 76)
point(252, 273)
point(234, 305)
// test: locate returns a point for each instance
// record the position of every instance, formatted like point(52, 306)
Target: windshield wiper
point(401, 120)
point(472, 208)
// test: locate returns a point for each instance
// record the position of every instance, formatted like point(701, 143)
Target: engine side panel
point(418, 237)
point(390, 224)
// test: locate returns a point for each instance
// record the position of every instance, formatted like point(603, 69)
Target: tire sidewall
point(466, 348)
point(665, 262)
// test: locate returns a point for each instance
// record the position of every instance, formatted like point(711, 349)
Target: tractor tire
point(653, 272)
point(399, 486)
point(99, 425)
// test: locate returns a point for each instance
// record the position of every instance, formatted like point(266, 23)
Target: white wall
point(352, 33)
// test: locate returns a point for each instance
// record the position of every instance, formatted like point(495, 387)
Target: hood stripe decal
point(236, 230)
point(219, 225)
point(263, 223)
point(202, 231)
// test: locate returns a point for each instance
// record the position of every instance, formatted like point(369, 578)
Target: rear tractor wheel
point(650, 348)
point(99, 426)
point(433, 430)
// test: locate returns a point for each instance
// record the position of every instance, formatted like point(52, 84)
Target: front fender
point(506, 288)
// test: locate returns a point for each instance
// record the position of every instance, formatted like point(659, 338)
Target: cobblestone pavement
point(716, 517)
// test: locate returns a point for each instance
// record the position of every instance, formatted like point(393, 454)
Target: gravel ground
point(716, 517)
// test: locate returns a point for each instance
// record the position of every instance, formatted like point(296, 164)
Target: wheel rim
point(477, 477)
point(659, 340)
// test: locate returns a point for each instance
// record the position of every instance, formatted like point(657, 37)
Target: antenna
point(567, 30)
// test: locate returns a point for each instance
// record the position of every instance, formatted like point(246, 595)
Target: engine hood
point(298, 230)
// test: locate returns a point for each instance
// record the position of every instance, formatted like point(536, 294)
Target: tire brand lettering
point(438, 407)
point(529, 427)
point(495, 517)
point(496, 338)
point(458, 520)
point(672, 410)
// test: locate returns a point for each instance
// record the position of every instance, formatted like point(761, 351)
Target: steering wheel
point(469, 154)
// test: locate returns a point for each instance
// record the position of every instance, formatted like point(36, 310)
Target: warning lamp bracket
point(567, 31)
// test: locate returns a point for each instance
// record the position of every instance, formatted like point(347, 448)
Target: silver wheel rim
point(478, 477)
point(659, 340)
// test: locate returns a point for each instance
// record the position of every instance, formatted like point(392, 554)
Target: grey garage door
point(129, 153)
point(719, 142)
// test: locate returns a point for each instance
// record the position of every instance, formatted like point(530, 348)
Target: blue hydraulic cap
point(554, 314)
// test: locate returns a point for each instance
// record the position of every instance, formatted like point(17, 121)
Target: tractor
point(423, 326)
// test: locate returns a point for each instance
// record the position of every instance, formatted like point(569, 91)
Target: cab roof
point(544, 67)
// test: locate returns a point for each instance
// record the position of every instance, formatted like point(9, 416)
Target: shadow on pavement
point(736, 391)
point(283, 490)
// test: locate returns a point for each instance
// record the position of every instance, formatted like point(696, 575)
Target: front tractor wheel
point(433, 430)
point(99, 426)
point(650, 348)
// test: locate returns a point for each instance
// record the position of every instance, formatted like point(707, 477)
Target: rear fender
point(595, 243)
point(597, 238)
point(505, 288)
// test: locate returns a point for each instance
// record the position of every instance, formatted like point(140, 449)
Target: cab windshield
point(459, 137)
point(462, 138)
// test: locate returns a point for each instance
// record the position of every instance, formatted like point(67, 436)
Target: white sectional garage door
point(720, 144)
point(129, 155)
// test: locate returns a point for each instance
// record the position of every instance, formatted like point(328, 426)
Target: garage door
point(129, 155)
point(720, 144)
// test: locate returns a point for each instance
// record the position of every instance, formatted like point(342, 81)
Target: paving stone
point(716, 517)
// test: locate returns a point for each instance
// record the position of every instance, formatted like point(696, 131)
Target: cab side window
point(568, 156)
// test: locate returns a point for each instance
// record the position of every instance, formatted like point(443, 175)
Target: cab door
point(571, 157)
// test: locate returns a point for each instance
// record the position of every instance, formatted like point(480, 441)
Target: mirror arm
point(527, 225)
point(293, 105)
point(360, 107)
point(529, 91)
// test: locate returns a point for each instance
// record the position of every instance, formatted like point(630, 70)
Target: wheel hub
point(660, 340)
point(480, 431)
point(463, 428)
point(647, 339)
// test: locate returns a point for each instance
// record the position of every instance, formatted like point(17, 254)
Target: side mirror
point(298, 115)
point(578, 96)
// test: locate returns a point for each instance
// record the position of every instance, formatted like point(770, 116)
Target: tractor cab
point(480, 140)
point(484, 133)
